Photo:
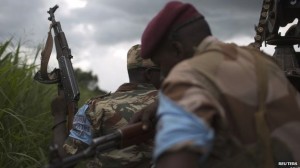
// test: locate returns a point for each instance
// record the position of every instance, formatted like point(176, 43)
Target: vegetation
point(25, 119)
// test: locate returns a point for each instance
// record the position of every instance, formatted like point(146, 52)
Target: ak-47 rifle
point(276, 14)
point(124, 137)
point(64, 76)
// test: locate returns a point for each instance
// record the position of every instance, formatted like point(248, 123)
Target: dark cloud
point(231, 18)
point(117, 21)
point(103, 25)
point(21, 20)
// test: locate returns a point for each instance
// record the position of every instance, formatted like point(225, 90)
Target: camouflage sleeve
point(73, 146)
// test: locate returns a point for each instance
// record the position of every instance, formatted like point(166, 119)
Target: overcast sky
point(100, 32)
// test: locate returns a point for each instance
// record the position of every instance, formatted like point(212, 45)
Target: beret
point(173, 14)
point(134, 59)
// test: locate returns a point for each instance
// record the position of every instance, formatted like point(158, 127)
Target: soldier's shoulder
point(98, 98)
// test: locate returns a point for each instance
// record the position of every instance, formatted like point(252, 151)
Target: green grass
point(25, 119)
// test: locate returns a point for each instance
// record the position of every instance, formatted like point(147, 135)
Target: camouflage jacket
point(108, 113)
point(232, 70)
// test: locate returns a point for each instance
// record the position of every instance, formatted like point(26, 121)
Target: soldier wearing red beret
point(220, 105)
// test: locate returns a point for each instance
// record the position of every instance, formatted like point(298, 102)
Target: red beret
point(173, 14)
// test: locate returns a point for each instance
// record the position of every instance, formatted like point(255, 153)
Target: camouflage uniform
point(107, 113)
point(135, 61)
point(228, 103)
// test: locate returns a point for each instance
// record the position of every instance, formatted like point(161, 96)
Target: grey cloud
point(21, 20)
point(118, 21)
point(231, 19)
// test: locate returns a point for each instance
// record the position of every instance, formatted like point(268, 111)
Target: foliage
point(25, 119)
point(88, 84)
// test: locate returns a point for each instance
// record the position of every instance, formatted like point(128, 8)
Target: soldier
point(104, 114)
point(220, 105)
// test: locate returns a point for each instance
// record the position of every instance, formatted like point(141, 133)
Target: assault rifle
point(64, 77)
point(124, 137)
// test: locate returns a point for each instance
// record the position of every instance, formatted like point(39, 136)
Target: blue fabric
point(176, 126)
point(81, 126)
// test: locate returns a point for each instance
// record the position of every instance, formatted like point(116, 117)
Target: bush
point(25, 119)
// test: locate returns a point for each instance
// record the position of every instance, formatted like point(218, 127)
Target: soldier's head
point(172, 35)
point(141, 70)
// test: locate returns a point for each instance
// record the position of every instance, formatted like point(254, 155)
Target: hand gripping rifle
point(123, 137)
point(64, 76)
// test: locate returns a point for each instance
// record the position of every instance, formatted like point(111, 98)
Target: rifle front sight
point(51, 12)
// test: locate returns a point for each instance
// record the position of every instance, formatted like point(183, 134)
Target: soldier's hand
point(58, 106)
point(146, 116)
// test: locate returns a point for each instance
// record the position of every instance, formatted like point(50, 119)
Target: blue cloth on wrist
point(176, 126)
point(81, 126)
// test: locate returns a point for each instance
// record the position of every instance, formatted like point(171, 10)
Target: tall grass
point(24, 112)
point(25, 119)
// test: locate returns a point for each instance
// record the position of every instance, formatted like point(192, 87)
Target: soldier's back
point(114, 111)
point(230, 79)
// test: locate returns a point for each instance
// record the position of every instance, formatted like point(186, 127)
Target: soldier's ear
point(147, 74)
point(178, 48)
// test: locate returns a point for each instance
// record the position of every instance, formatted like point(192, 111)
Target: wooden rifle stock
point(71, 110)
